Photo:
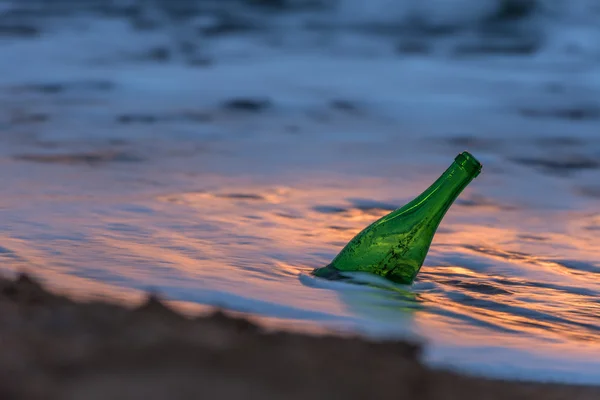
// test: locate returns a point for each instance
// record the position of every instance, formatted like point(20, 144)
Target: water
point(124, 173)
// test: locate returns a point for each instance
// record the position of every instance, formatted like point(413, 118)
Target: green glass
point(395, 246)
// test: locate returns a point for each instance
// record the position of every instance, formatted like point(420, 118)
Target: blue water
point(123, 173)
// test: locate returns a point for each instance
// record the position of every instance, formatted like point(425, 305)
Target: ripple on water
point(559, 165)
point(251, 247)
point(88, 158)
point(513, 304)
point(573, 267)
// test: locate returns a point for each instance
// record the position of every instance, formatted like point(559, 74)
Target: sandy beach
point(55, 348)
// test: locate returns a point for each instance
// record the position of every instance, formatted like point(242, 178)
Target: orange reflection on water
point(513, 280)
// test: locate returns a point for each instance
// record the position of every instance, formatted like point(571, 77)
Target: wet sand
point(57, 348)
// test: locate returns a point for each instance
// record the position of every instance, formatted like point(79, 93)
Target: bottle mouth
point(468, 163)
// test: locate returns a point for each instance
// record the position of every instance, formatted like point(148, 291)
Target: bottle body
point(395, 246)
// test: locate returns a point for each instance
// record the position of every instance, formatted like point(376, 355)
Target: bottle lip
point(469, 163)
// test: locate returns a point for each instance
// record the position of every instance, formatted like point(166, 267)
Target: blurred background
point(217, 151)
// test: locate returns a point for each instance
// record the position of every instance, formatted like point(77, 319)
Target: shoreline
point(57, 348)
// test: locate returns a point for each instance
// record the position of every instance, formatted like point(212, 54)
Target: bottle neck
point(442, 193)
point(448, 186)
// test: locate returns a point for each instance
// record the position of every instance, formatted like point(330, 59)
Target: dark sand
point(55, 348)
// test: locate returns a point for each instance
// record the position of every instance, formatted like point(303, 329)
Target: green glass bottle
point(395, 246)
